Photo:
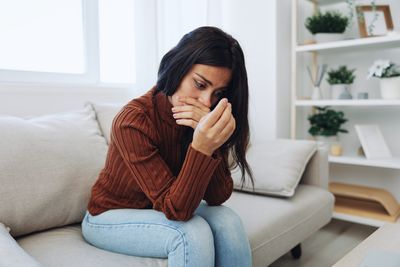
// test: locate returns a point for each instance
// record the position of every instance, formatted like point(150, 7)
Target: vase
point(328, 37)
point(316, 93)
point(341, 91)
point(327, 141)
point(390, 87)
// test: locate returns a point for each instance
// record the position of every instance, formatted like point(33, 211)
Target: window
point(42, 35)
point(117, 41)
point(68, 41)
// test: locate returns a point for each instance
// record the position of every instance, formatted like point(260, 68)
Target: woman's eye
point(199, 84)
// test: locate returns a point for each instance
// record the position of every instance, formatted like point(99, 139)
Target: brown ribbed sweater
point(144, 167)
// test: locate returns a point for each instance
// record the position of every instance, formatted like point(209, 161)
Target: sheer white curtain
point(177, 17)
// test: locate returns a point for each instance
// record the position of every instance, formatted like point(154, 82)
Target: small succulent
point(342, 75)
point(326, 122)
point(328, 22)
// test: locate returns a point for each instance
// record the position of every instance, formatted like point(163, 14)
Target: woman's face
point(204, 83)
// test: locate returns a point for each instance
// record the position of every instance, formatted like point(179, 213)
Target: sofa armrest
point(11, 254)
point(317, 170)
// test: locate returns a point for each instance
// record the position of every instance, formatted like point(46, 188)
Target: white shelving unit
point(372, 43)
point(366, 43)
point(392, 163)
point(355, 103)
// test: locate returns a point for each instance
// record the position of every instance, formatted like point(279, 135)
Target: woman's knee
point(194, 240)
point(197, 231)
point(222, 218)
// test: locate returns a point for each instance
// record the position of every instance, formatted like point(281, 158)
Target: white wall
point(33, 100)
point(264, 37)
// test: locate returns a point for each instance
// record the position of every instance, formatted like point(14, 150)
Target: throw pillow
point(105, 113)
point(277, 166)
point(48, 165)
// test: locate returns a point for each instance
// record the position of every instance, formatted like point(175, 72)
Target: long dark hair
point(212, 46)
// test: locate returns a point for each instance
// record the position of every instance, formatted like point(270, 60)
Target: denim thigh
point(148, 233)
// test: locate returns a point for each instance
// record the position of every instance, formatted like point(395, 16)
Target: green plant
point(328, 22)
point(326, 122)
point(342, 75)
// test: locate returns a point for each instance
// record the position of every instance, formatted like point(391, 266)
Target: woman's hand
point(191, 113)
point(214, 129)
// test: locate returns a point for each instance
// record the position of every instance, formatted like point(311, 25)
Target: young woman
point(167, 173)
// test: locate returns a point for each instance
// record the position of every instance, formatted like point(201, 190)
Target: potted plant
point(328, 26)
point(340, 80)
point(389, 77)
point(325, 125)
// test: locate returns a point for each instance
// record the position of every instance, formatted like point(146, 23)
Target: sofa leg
point(296, 251)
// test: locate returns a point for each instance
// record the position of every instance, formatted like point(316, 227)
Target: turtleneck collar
point(164, 108)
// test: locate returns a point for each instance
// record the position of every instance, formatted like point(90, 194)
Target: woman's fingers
point(223, 120)
point(228, 130)
point(194, 102)
point(194, 111)
point(214, 115)
point(187, 122)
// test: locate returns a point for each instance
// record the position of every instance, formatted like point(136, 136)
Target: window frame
point(144, 13)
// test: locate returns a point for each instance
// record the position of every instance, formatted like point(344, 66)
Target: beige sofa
point(49, 163)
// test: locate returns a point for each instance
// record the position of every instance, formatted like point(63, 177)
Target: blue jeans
point(214, 236)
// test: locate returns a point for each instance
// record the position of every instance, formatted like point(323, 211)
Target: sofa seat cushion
point(272, 224)
point(275, 225)
point(65, 247)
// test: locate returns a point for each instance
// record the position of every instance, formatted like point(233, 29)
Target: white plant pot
point(328, 37)
point(390, 88)
point(339, 89)
point(327, 141)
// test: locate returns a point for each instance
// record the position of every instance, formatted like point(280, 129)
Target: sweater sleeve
point(177, 197)
point(220, 187)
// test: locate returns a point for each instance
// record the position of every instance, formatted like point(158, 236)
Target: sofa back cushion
point(48, 165)
point(105, 113)
point(277, 166)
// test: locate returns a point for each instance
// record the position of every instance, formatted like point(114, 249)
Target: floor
point(328, 245)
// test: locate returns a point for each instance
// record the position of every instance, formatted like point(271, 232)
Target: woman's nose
point(205, 99)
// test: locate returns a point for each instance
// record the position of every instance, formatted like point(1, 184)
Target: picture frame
point(372, 141)
point(374, 20)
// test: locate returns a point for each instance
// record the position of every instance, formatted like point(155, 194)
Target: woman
point(169, 151)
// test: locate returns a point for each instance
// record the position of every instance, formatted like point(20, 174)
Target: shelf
point(362, 204)
point(351, 102)
point(392, 163)
point(389, 41)
point(358, 219)
point(326, 2)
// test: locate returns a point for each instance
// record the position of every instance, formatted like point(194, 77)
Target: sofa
point(48, 164)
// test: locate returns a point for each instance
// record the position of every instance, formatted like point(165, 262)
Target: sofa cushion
point(277, 166)
point(279, 225)
point(11, 254)
point(48, 165)
point(66, 247)
point(275, 225)
point(105, 113)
